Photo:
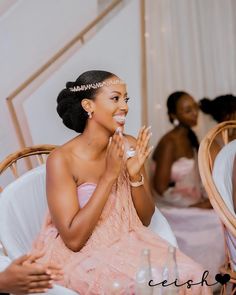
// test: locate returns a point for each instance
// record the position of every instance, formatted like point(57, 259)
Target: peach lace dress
point(113, 250)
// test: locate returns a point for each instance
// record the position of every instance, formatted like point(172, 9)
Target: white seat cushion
point(222, 176)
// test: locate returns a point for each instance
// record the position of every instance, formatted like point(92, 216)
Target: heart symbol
point(222, 279)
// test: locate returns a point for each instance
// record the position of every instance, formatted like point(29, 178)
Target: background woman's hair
point(172, 101)
point(171, 107)
point(69, 105)
point(220, 107)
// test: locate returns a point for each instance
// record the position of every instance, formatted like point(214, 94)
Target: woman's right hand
point(114, 155)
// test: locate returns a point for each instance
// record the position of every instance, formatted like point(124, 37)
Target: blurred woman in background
point(178, 189)
point(222, 108)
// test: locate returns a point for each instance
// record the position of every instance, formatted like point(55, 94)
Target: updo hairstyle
point(220, 107)
point(69, 105)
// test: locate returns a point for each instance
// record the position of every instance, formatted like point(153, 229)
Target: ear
point(173, 117)
point(87, 105)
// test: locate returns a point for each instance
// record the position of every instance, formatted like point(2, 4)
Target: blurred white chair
point(160, 226)
point(23, 206)
point(216, 158)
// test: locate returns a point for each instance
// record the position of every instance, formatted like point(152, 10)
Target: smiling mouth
point(119, 119)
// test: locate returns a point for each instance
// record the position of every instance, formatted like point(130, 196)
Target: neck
point(183, 128)
point(95, 141)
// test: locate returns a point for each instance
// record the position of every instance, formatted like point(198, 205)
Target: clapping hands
point(142, 152)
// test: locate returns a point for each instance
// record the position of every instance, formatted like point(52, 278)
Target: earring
point(90, 115)
point(175, 122)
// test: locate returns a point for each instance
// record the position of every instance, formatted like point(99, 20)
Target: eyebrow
point(120, 93)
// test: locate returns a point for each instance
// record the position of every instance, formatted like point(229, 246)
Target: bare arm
point(141, 196)
point(76, 224)
point(164, 158)
point(234, 183)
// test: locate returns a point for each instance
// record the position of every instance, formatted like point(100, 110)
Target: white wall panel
point(116, 48)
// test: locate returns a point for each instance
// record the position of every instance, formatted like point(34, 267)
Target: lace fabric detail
point(113, 249)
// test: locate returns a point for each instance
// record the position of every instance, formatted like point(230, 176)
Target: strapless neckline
point(86, 183)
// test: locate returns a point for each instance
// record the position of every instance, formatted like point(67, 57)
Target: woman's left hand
point(142, 152)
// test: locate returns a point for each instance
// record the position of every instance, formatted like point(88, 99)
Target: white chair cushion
point(222, 173)
point(160, 226)
point(22, 208)
point(222, 176)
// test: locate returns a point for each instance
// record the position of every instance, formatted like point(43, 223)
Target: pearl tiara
point(95, 85)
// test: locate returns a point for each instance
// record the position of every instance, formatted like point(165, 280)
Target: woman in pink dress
point(178, 188)
point(98, 194)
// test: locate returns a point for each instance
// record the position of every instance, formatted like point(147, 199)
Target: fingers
point(39, 278)
point(21, 259)
point(35, 256)
point(38, 269)
point(117, 144)
point(40, 284)
point(143, 140)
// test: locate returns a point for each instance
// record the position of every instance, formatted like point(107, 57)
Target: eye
point(127, 99)
point(115, 98)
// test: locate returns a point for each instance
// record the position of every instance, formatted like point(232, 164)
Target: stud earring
point(90, 115)
point(176, 122)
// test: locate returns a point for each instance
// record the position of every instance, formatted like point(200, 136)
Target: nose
point(123, 106)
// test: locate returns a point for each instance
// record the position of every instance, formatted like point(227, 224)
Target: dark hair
point(69, 105)
point(172, 101)
point(219, 107)
point(172, 106)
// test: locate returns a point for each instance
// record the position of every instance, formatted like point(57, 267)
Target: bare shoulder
point(166, 145)
point(58, 159)
point(168, 139)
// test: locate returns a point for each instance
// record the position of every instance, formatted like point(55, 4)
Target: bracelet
point(137, 183)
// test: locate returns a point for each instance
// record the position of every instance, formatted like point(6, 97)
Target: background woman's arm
point(164, 158)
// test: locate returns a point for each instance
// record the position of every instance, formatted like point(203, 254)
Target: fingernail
point(149, 127)
point(150, 133)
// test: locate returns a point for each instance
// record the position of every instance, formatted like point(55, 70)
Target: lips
point(119, 119)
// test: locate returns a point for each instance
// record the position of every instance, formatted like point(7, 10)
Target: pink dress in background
point(113, 250)
point(198, 231)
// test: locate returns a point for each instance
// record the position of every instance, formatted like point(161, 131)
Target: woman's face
point(111, 106)
point(187, 111)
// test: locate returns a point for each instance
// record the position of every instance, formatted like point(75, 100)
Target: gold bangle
point(137, 183)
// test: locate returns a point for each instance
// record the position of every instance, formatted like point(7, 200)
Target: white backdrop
point(191, 46)
point(113, 49)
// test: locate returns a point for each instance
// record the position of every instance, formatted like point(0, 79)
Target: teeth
point(119, 119)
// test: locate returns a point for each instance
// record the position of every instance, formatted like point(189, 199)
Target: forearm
point(143, 201)
point(87, 217)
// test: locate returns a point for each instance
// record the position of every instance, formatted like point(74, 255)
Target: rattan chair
point(23, 206)
point(213, 154)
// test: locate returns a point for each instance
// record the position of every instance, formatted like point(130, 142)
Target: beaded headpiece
point(95, 85)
